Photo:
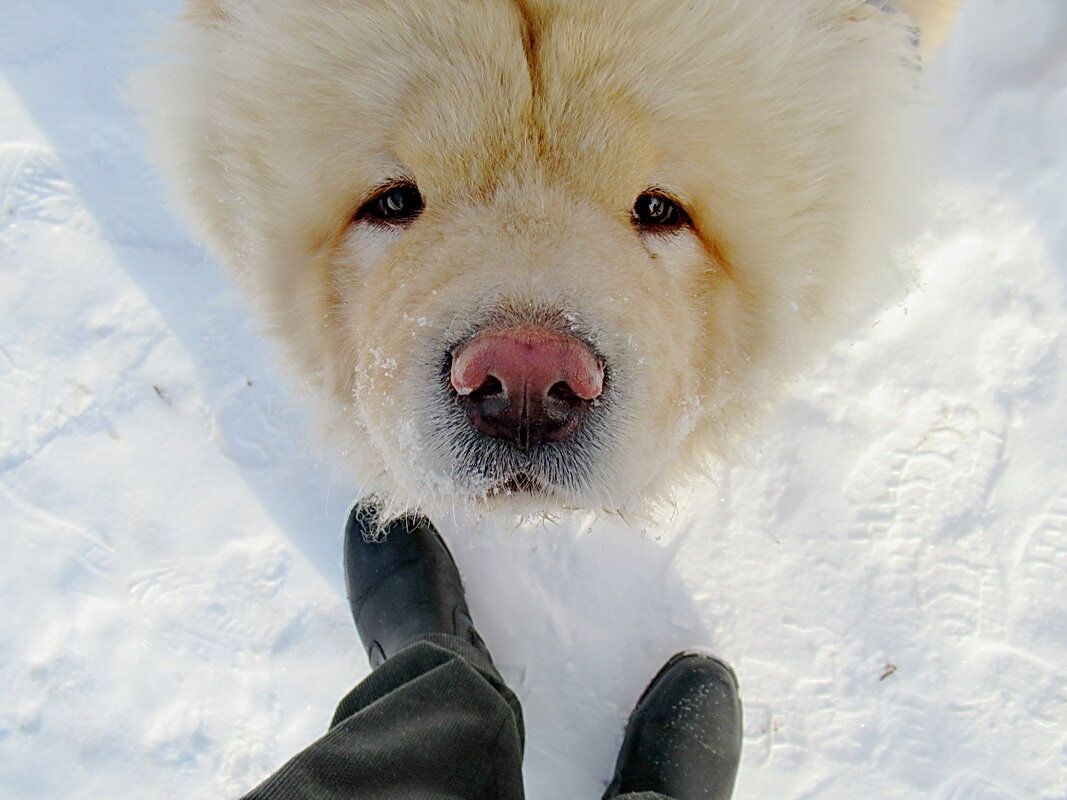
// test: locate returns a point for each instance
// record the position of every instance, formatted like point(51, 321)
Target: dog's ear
point(208, 13)
point(932, 18)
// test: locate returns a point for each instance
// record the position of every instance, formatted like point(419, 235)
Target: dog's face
point(549, 249)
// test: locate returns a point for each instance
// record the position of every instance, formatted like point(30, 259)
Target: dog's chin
point(519, 484)
point(525, 496)
point(500, 478)
point(494, 474)
point(516, 491)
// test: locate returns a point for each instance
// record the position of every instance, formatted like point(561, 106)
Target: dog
point(559, 251)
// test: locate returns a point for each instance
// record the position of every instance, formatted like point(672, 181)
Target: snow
point(886, 572)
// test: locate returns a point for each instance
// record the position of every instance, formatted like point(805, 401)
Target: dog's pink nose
point(526, 385)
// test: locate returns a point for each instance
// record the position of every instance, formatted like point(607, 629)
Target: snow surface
point(886, 573)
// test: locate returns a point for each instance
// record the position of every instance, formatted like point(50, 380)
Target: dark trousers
point(434, 722)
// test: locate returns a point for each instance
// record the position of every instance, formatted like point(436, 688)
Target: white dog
point(549, 249)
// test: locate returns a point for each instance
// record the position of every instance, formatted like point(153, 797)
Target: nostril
point(489, 387)
point(563, 391)
point(561, 403)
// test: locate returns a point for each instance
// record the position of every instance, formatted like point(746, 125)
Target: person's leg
point(683, 740)
point(434, 720)
point(429, 723)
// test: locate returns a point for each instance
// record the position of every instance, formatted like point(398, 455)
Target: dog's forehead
point(588, 92)
point(585, 95)
point(467, 97)
point(526, 97)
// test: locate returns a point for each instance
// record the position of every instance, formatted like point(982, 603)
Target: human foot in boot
point(402, 583)
point(684, 736)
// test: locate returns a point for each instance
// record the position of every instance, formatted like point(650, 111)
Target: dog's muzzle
point(526, 385)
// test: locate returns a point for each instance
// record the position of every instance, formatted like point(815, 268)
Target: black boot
point(402, 583)
point(684, 737)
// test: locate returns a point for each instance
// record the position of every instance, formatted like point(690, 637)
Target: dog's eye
point(396, 204)
point(653, 210)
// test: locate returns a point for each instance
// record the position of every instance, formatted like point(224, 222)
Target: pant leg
point(434, 722)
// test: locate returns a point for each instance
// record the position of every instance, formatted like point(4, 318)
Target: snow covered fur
point(692, 194)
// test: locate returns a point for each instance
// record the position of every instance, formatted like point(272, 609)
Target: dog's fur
point(530, 127)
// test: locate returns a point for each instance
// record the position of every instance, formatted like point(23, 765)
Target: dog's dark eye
point(395, 204)
point(654, 210)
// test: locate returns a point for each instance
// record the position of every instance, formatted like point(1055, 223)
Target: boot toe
point(684, 737)
point(401, 581)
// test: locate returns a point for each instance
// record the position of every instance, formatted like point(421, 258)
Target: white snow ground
point(887, 574)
